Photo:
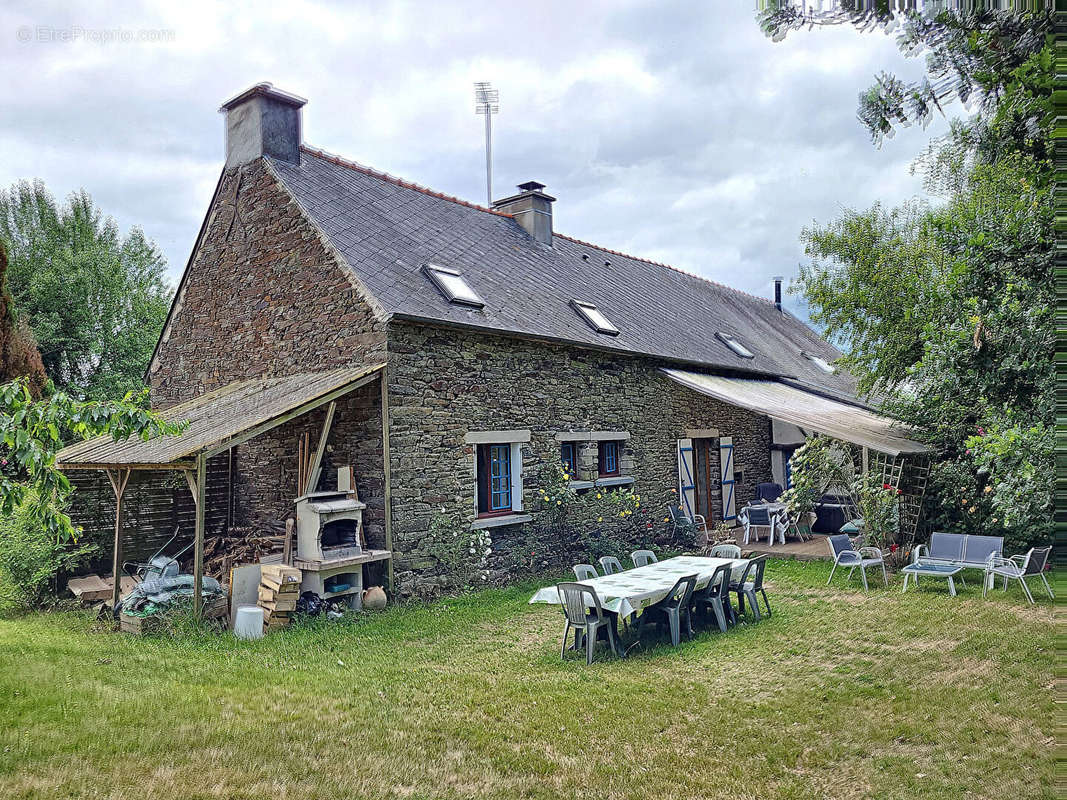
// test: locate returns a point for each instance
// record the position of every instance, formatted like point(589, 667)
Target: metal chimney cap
point(531, 186)
point(264, 89)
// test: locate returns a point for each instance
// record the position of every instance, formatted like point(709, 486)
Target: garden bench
point(960, 550)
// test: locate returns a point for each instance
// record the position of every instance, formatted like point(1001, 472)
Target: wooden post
point(198, 537)
point(316, 466)
point(387, 479)
point(119, 479)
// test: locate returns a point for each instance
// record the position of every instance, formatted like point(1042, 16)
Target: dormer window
point(453, 286)
point(734, 344)
point(595, 318)
point(821, 363)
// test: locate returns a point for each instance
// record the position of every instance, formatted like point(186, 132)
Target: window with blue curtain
point(566, 456)
point(609, 458)
point(500, 477)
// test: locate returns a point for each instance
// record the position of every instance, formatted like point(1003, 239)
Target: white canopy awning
point(810, 412)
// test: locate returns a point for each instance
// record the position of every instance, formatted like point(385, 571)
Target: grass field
point(840, 694)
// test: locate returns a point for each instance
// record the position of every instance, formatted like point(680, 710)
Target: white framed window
point(594, 318)
point(735, 345)
point(498, 477)
point(453, 286)
point(821, 363)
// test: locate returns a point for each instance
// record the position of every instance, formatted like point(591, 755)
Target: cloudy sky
point(670, 130)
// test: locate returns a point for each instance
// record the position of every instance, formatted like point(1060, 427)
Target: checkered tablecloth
point(634, 589)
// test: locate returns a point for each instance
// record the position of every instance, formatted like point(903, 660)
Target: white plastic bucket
point(249, 622)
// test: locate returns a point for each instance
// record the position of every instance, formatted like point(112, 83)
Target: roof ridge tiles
point(406, 184)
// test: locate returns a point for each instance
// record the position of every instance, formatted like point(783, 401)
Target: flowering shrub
point(570, 527)
point(462, 553)
point(821, 464)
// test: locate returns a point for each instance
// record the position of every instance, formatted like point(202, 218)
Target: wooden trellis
point(908, 474)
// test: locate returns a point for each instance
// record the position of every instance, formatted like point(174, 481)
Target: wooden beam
point(118, 479)
point(387, 478)
point(173, 465)
point(200, 496)
point(251, 433)
point(316, 465)
point(190, 479)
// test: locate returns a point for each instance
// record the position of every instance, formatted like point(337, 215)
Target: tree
point(95, 300)
point(33, 431)
point(19, 356)
point(972, 55)
point(946, 308)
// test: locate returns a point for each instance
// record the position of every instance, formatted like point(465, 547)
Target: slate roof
point(388, 230)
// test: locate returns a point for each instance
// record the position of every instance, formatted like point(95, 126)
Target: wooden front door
point(705, 458)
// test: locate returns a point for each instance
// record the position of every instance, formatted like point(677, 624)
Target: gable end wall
point(262, 296)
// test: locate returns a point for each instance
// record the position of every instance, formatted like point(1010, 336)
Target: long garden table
point(630, 591)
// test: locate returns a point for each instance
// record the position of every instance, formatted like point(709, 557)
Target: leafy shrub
point(31, 557)
point(463, 554)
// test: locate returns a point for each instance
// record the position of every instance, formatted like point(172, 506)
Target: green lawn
point(840, 694)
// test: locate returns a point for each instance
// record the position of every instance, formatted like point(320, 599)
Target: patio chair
point(1019, 568)
point(576, 599)
point(642, 558)
point(672, 608)
point(725, 551)
point(769, 492)
point(800, 526)
point(756, 519)
point(609, 565)
point(751, 589)
point(680, 523)
point(716, 596)
point(585, 572)
point(846, 555)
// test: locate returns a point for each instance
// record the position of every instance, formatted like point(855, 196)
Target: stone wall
point(263, 296)
point(444, 383)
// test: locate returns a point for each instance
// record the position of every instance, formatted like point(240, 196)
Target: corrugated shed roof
point(217, 417)
point(387, 230)
point(811, 412)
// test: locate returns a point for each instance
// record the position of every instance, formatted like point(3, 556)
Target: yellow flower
point(598, 495)
point(636, 504)
point(599, 519)
point(622, 513)
point(988, 489)
point(559, 502)
point(666, 519)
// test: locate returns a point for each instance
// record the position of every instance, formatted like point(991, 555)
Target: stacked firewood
point(279, 588)
point(229, 548)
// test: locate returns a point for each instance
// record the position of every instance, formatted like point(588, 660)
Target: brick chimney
point(262, 121)
point(532, 209)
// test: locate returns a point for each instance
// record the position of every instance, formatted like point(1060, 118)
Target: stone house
point(507, 347)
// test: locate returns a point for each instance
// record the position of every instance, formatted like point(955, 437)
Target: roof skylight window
point(734, 344)
point(453, 286)
point(595, 318)
point(821, 363)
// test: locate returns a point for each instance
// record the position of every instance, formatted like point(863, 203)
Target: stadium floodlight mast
point(486, 100)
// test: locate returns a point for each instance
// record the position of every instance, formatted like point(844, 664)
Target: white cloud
point(670, 129)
